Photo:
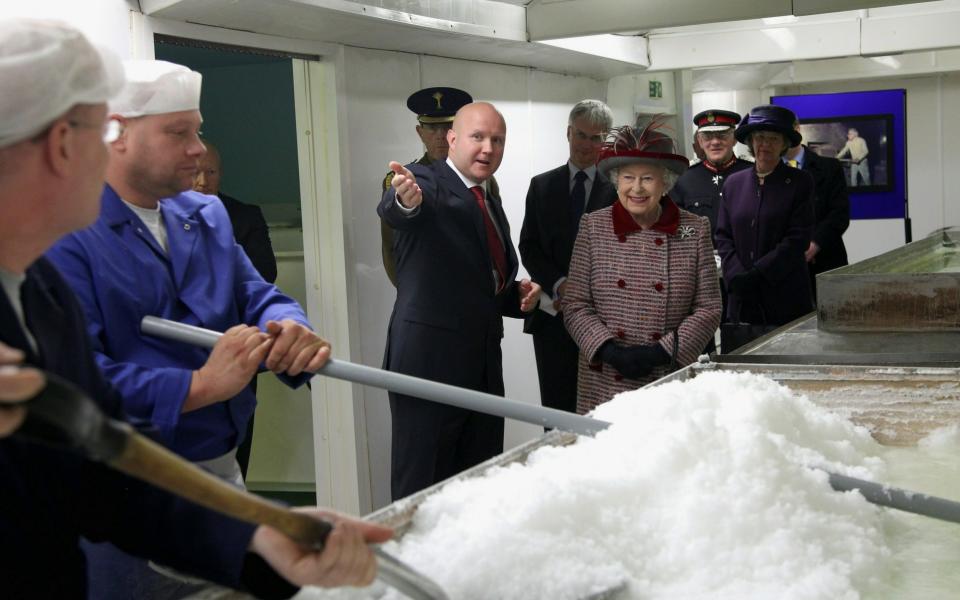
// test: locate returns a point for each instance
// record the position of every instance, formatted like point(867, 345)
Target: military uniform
point(700, 188)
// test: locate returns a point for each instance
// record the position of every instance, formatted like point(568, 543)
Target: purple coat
point(767, 228)
point(650, 286)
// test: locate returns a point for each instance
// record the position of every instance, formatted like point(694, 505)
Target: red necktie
point(493, 240)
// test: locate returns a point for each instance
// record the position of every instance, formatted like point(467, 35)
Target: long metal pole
point(914, 502)
point(403, 384)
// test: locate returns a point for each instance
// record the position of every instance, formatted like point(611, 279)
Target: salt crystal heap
point(699, 489)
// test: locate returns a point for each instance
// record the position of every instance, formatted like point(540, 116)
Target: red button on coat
point(659, 241)
point(655, 336)
point(618, 377)
point(658, 287)
point(621, 283)
point(622, 238)
point(621, 334)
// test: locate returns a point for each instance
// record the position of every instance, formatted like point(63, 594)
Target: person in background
point(556, 200)
point(642, 295)
point(766, 224)
point(249, 227)
point(251, 232)
point(159, 248)
point(700, 188)
point(856, 148)
point(435, 108)
point(53, 125)
point(455, 282)
point(831, 210)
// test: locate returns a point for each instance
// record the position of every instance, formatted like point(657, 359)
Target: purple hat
point(769, 117)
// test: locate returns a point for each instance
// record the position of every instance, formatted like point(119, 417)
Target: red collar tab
point(668, 222)
point(710, 167)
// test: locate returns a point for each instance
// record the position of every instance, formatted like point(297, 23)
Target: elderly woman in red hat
point(765, 225)
point(642, 293)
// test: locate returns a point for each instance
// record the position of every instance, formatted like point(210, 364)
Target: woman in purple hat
point(642, 294)
point(765, 225)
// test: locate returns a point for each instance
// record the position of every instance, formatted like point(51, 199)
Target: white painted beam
point(816, 7)
point(758, 43)
point(550, 19)
point(888, 33)
point(355, 24)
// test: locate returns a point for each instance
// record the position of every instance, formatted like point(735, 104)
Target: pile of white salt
point(699, 489)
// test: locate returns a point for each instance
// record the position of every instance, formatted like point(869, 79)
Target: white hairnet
point(156, 87)
point(46, 67)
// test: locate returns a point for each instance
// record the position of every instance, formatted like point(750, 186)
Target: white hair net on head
point(47, 67)
point(155, 87)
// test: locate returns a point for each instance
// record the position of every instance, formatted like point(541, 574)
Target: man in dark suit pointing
point(456, 270)
point(555, 202)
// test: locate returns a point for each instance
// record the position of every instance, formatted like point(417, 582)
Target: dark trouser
point(433, 441)
point(556, 354)
point(115, 575)
point(243, 450)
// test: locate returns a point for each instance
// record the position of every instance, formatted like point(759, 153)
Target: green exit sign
point(656, 89)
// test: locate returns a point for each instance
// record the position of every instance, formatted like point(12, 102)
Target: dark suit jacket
point(386, 234)
point(831, 210)
point(251, 232)
point(50, 497)
point(547, 236)
point(447, 319)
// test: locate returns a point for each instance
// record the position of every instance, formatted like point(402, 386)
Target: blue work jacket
point(120, 274)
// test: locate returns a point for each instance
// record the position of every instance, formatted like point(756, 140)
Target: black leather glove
point(747, 284)
point(633, 362)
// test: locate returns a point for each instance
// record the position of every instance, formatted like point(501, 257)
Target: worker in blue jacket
point(159, 248)
point(52, 160)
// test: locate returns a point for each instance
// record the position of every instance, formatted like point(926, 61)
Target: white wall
point(377, 128)
point(106, 22)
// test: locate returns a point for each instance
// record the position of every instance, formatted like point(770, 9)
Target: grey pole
point(882, 495)
point(404, 384)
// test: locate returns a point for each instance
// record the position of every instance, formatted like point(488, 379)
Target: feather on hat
point(646, 143)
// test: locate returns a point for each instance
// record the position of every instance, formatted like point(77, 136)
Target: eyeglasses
point(110, 129)
point(715, 135)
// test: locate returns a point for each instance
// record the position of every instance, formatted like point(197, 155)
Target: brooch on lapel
point(686, 231)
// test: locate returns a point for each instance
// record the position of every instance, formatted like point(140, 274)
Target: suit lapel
point(455, 185)
point(558, 201)
point(599, 191)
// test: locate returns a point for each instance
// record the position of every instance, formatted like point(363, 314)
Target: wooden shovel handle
point(151, 462)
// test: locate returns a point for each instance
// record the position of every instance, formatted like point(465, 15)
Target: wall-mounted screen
point(867, 132)
point(863, 144)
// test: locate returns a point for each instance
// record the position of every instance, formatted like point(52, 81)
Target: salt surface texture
point(700, 489)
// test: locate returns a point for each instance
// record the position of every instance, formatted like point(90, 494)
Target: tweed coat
point(639, 286)
point(768, 228)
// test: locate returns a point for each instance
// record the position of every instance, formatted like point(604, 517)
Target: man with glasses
point(700, 188)
point(159, 248)
point(556, 200)
point(52, 163)
point(435, 108)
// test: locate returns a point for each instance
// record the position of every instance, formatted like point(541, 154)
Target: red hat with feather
point(645, 143)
